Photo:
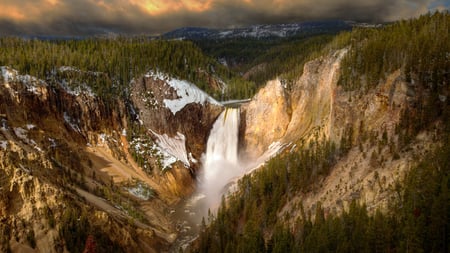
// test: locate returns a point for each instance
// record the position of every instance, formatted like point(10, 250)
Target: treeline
point(108, 65)
point(419, 47)
point(262, 60)
point(287, 59)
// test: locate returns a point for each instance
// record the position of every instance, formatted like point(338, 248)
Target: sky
point(94, 17)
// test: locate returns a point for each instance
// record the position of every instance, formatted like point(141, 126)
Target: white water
point(221, 161)
point(221, 168)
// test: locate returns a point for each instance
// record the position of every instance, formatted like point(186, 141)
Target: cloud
point(88, 17)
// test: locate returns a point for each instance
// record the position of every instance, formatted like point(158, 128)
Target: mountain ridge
point(262, 31)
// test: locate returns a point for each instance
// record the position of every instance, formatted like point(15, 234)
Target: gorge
point(122, 143)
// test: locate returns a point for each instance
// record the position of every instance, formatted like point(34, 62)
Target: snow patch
point(187, 92)
point(74, 69)
point(4, 145)
point(52, 143)
point(141, 191)
point(8, 74)
point(71, 123)
point(166, 159)
point(173, 148)
point(77, 90)
point(68, 68)
point(102, 137)
point(31, 83)
point(191, 158)
point(21, 133)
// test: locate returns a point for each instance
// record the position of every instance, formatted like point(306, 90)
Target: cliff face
point(266, 118)
point(315, 108)
point(66, 157)
point(169, 106)
point(286, 114)
point(178, 117)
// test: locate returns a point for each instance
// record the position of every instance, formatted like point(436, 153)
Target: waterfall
point(223, 140)
point(221, 162)
point(221, 168)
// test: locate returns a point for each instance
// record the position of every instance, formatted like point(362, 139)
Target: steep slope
point(178, 116)
point(70, 156)
point(365, 166)
point(315, 109)
point(281, 113)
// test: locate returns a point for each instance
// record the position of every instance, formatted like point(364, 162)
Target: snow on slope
point(32, 84)
point(174, 146)
point(187, 92)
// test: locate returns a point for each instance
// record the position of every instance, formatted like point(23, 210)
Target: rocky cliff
point(69, 156)
point(315, 108)
point(76, 164)
point(282, 112)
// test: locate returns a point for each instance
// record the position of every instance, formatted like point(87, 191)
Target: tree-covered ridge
point(417, 220)
point(419, 47)
point(262, 60)
point(118, 60)
point(245, 216)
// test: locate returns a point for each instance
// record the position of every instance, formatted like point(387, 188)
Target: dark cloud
point(88, 17)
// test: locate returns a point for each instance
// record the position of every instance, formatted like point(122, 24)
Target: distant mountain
point(262, 31)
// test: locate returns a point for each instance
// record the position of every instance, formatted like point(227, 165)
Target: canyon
point(66, 151)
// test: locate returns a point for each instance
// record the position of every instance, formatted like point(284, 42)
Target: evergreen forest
point(417, 220)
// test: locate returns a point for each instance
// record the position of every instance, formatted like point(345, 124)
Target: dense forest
point(262, 60)
point(108, 65)
point(417, 221)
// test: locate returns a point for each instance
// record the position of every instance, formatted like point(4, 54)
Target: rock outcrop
point(315, 108)
point(266, 118)
point(65, 154)
point(169, 106)
point(286, 114)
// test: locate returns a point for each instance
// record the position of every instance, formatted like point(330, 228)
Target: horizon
point(84, 18)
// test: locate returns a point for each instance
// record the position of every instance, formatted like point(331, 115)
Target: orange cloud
point(12, 12)
point(161, 7)
point(53, 2)
point(73, 17)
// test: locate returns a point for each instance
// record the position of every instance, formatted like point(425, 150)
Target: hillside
point(366, 164)
point(83, 161)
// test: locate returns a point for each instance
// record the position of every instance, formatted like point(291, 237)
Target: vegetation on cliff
point(417, 219)
point(249, 220)
point(108, 65)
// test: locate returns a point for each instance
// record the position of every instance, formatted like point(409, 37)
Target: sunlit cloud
point(157, 7)
point(87, 17)
point(12, 12)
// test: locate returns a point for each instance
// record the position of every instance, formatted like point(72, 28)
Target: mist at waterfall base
point(222, 166)
point(221, 161)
